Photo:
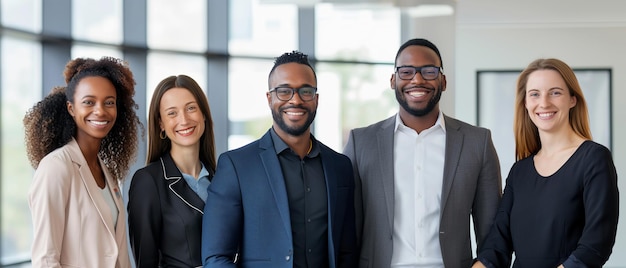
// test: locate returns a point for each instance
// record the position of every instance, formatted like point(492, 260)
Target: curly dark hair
point(289, 57)
point(48, 124)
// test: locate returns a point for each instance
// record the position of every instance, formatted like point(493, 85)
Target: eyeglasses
point(427, 72)
point(306, 93)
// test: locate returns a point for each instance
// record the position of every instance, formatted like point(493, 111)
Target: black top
point(568, 217)
point(308, 205)
point(164, 217)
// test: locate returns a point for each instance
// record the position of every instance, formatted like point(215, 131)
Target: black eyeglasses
point(306, 93)
point(427, 72)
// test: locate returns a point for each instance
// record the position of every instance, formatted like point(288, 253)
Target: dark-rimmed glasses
point(427, 72)
point(306, 93)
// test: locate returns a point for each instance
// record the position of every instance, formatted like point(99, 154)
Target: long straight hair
point(157, 146)
point(527, 140)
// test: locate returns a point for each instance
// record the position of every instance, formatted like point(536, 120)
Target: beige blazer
point(73, 225)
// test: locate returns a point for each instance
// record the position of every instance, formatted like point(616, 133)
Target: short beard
point(419, 112)
point(293, 131)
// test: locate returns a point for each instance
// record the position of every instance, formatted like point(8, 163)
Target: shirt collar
point(439, 123)
point(280, 145)
point(204, 173)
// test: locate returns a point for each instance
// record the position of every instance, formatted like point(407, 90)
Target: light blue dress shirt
point(200, 185)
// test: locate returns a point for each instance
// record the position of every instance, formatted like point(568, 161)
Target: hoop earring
point(162, 135)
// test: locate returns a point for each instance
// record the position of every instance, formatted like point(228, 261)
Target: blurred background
point(229, 48)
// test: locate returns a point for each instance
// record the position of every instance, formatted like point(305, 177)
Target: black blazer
point(164, 217)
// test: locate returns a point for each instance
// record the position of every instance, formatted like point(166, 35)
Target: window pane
point(95, 52)
point(340, 36)
point(161, 65)
point(262, 29)
point(22, 14)
point(21, 88)
point(178, 25)
point(248, 113)
point(96, 20)
point(359, 93)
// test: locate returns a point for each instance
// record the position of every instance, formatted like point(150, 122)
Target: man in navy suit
point(285, 200)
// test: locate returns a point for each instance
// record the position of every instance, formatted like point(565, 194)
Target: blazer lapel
point(384, 141)
point(95, 193)
point(275, 178)
point(329, 169)
point(178, 185)
point(454, 143)
point(114, 189)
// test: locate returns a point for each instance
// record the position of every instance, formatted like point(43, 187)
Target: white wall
point(495, 34)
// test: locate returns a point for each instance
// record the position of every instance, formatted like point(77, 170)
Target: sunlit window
point(351, 96)
point(177, 25)
point(21, 14)
point(99, 21)
point(94, 52)
point(340, 32)
point(248, 112)
point(21, 89)
point(262, 29)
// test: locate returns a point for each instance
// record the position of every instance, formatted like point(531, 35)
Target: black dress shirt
point(308, 205)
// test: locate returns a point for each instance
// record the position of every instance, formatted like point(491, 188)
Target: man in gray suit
point(420, 174)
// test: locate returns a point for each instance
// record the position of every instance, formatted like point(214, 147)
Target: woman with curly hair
point(81, 139)
point(166, 198)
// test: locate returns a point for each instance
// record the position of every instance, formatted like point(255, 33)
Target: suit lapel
point(95, 193)
point(113, 186)
point(384, 141)
point(178, 185)
point(275, 179)
point(454, 143)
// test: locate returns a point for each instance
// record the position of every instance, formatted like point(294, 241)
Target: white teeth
point(543, 115)
point(294, 113)
point(185, 131)
point(417, 93)
point(102, 123)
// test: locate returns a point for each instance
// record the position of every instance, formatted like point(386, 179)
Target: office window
point(98, 21)
point(95, 52)
point(339, 32)
point(248, 112)
point(21, 89)
point(177, 25)
point(22, 14)
point(262, 29)
point(351, 95)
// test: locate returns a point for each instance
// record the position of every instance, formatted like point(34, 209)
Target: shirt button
point(308, 189)
point(309, 250)
point(287, 258)
point(308, 220)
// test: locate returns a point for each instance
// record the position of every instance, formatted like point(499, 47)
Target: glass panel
point(359, 93)
point(161, 65)
point(95, 52)
point(177, 26)
point(99, 21)
point(21, 88)
point(339, 32)
point(22, 14)
point(248, 113)
point(262, 29)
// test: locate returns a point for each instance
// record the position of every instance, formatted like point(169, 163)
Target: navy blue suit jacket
point(247, 210)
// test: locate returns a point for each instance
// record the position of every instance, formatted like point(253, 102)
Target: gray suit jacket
point(471, 186)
